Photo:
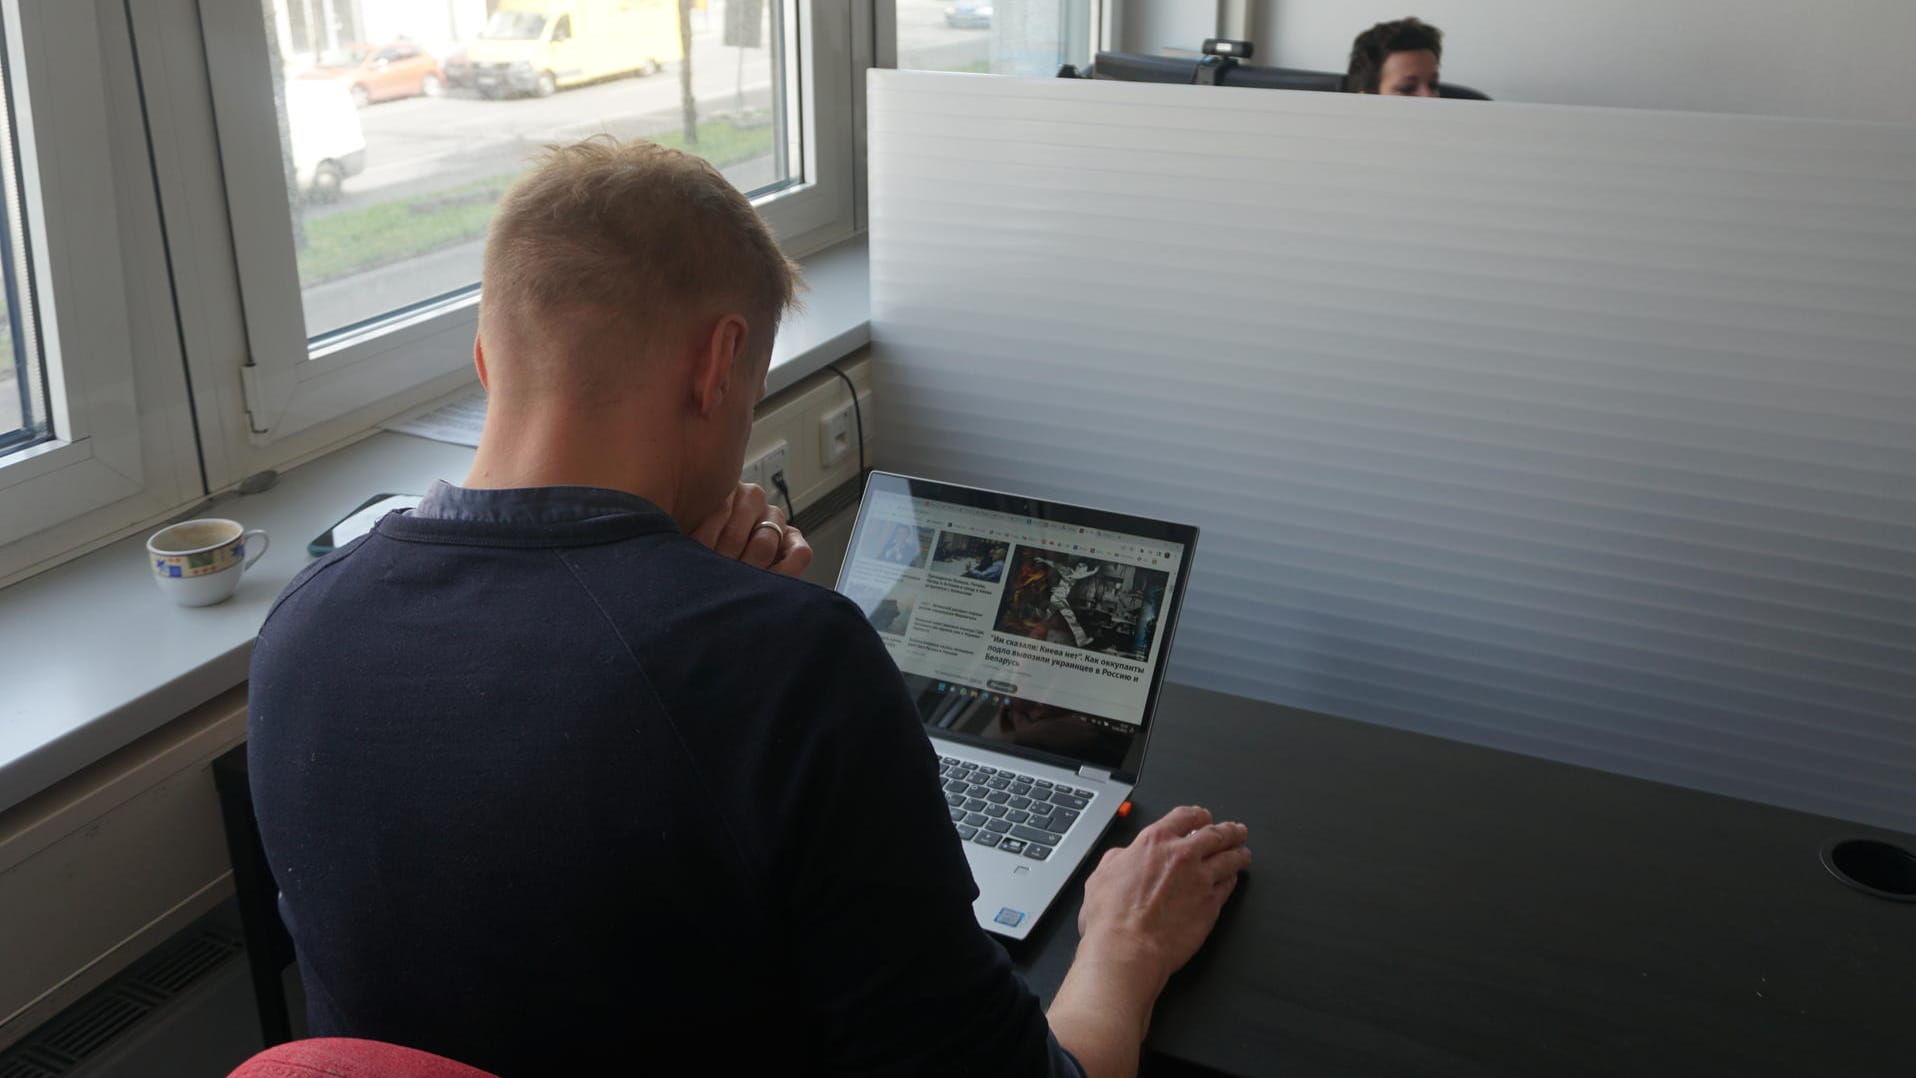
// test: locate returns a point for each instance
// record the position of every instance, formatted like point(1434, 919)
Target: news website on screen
point(1013, 628)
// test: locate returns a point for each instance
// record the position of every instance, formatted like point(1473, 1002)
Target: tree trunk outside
point(688, 105)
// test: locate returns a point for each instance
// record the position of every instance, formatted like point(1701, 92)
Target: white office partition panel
point(1585, 433)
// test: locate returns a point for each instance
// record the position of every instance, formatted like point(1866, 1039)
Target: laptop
point(1032, 636)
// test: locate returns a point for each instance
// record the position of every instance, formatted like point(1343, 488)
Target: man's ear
point(479, 361)
point(715, 369)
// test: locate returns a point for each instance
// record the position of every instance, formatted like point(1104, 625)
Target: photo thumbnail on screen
point(888, 611)
point(904, 545)
point(973, 557)
point(1085, 602)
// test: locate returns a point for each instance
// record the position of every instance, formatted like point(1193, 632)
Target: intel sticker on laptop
point(1009, 917)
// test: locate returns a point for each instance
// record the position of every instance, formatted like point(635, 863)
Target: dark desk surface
point(1424, 907)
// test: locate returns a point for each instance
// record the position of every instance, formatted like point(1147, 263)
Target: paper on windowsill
point(457, 421)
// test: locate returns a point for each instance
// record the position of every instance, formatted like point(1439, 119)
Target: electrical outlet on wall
point(836, 435)
point(786, 433)
point(769, 465)
point(838, 430)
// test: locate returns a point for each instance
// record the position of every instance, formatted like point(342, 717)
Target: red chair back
point(346, 1057)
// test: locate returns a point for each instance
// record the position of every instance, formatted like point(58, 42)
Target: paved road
point(924, 41)
point(421, 145)
point(428, 144)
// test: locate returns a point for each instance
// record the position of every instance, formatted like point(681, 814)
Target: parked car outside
point(968, 16)
point(323, 132)
point(536, 47)
point(455, 65)
point(383, 73)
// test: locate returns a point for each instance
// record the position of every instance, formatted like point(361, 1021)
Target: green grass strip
point(356, 240)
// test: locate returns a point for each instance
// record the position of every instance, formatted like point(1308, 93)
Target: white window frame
point(124, 451)
point(262, 402)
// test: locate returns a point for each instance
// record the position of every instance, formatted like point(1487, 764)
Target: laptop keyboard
point(1021, 815)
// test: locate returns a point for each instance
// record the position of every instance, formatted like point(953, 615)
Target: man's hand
point(1160, 896)
point(1147, 909)
point(748, 529)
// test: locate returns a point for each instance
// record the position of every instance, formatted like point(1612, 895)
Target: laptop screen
point(1029, 626)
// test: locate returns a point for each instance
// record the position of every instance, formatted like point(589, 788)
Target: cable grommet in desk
point(1873, 867)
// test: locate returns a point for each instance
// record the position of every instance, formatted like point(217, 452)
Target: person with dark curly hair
point(1397, 59)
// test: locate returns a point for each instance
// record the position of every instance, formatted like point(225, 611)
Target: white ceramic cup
point(200, 562)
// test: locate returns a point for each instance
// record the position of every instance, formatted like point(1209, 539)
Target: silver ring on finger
point(772, 524)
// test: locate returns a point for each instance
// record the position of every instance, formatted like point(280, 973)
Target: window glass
point(514, 26)
point(395, 171)
point(23, 419)
point(1018, 37)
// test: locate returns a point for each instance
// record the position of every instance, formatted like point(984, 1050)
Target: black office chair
point(269, 947)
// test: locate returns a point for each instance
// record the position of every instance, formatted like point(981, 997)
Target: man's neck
point(571, 450)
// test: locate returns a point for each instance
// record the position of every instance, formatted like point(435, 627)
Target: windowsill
point(95, 657)
point(836, 319)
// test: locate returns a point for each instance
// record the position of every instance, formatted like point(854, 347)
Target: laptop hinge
point(1094, 774)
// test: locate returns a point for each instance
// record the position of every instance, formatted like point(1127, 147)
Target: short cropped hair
point(635, 231)
point(1375, 45)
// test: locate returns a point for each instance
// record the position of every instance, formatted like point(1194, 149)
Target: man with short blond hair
point(563, 772)
point(631, 238)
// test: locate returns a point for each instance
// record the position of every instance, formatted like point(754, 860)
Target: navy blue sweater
point(548, 787)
